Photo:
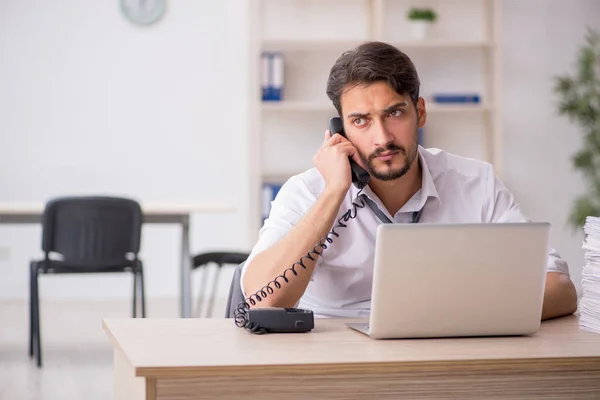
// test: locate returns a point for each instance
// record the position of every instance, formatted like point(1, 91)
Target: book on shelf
point(456, 98)
point(272, 76)
point(269, 192)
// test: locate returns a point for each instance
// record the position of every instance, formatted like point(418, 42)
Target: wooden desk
point(154, 213)
point(213, 358)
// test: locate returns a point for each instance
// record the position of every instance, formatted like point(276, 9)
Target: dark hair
point(372, 62)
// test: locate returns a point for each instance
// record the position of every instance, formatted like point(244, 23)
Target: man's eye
point(359, 121)
point(396, 113)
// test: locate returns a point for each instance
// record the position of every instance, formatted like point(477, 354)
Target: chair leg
point(211, 303)
point(135, 293)
point(203, 280)
point(143, 296)
point(36, 319)
point(31, 327)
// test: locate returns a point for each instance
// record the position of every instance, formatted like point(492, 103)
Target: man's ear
point(421, 112)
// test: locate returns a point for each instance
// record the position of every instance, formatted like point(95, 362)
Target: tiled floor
point(77, 356)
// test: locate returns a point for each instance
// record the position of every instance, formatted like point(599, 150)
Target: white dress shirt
point(454, 190)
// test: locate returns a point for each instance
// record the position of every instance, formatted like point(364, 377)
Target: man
point(375, 89)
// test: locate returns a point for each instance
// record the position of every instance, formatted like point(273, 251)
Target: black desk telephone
point(296, 320)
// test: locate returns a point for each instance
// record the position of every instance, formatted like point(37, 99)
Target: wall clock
point(143, 12)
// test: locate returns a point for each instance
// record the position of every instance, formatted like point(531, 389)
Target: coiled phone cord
point(241, 311)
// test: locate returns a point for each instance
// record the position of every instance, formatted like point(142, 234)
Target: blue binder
point(269, 193)
point(272, 66)
point(456, 98)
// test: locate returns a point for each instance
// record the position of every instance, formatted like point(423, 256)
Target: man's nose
point(381, 134)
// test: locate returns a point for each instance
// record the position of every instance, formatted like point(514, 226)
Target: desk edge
point(483, 365)
point(115, 343)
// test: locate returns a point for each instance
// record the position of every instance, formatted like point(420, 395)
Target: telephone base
point(282, 320)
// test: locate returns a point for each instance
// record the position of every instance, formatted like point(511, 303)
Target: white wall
point(80, 85)
point(91, 103)
point(540, 43)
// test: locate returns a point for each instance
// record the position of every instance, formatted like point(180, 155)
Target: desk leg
point(126, 385)
point(186, 297)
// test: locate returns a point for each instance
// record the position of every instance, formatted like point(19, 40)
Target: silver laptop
point(451, 280)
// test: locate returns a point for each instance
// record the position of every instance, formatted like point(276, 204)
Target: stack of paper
point(589, 304)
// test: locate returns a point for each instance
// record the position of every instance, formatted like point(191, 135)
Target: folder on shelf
point(265, 75)
point(450, 98)
point(269, 192)
point(272, 76)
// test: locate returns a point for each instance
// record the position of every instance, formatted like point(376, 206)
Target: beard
point(389, 174)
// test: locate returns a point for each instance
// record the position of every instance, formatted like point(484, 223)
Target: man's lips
point(387, 155)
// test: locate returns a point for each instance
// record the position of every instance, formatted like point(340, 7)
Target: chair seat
point(66, 267)
point(219, 257)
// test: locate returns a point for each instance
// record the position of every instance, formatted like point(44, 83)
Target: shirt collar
point(428, 188)
point(417, 202)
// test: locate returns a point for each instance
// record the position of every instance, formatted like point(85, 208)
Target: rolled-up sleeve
point(502, 207)
point(292, 202)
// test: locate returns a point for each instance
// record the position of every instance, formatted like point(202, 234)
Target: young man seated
point(375, 89)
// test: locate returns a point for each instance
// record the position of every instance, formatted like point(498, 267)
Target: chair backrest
point(219, 257)
point(235, 292)
point(92, 230)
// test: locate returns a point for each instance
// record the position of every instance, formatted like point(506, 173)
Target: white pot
point(419, 30)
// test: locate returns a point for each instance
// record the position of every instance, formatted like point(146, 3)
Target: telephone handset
point(288, 320)
point(360, 177)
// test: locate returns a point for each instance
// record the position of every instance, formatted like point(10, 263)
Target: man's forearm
point(560, 296)
point(309, 231)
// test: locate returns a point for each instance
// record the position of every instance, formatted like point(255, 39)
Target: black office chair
point(220, 259)
point(236, 296)
point(87, 235)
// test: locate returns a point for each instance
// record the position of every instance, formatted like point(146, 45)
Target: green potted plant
point(579, 100)
point(420, 21)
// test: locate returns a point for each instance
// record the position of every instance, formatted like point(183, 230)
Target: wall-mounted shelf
point(341, 45)
point(290, 105)
point(272, 177)
point(276, 106)
point(457, 108)
point(307, 45)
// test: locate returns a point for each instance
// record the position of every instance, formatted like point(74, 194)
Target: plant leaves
point(579, 100)
point(582, 208)
point(564, 85)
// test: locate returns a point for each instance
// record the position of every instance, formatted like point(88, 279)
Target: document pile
point(589, 304)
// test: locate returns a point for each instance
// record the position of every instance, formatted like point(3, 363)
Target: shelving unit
point(462, 54)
